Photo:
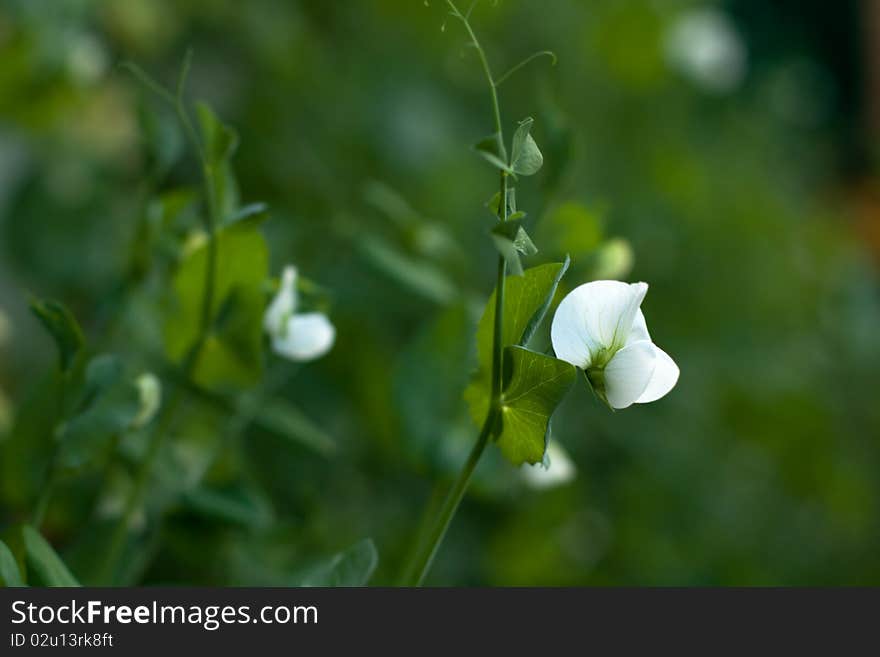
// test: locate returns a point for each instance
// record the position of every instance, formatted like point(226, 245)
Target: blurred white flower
point(297, 336)
point(86, 58)
point(150, 392)
point(600, 328)
point(112, 502)
point(614, 258)
point(705, 46)
point(557, 469)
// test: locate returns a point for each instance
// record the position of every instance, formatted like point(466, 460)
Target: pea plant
point(231, 335)
point(220, 312)
point(598, 328)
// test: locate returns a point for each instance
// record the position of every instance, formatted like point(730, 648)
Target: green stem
point(425, 558)
point(496, 111)
point(135, 497)
point(498, 327)
point(158, 437)
point(447, 512)
point(52, 472)
point(46, 494)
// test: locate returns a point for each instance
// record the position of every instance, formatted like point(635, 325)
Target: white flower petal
point(639, 329)
point(283, 305)
point(628, 373)
point(569, 336)
point(560, 469)
point(626, 321)
point(663, 380)
point(305, 337)
point(595, 316)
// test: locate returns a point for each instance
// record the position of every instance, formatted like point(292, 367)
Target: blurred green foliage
point(355, 119)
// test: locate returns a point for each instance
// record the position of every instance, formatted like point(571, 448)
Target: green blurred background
point(723, 152)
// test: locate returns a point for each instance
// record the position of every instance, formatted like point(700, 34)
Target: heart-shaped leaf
point(527, 299)
point(535, 386)
point(525, 156)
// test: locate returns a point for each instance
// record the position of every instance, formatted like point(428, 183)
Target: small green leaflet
point(10, 575)
point(511, 240)
point(220, 142)
point(527, 300)
point(63, 327)
point(494, 203)
point(44, 562)
point(353, 567)
point(525, 157)
point(493, 151)
point(536, 384)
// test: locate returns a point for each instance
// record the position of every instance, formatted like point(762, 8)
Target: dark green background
point(761, 467)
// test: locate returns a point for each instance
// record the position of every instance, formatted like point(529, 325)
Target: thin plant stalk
point(52, 471)
point(425, 556)
point(159, 434)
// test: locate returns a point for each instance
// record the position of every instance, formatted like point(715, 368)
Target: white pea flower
point(557, 469)
point(600, 328)
point(297, 336)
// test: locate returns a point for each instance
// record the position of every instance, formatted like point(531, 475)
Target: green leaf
point(287, 421)
point(63, 327)
point(525, 157)
point(85, 437)
point(44, 562)
point(106, 408)
point(10, 575)
point(494, 203)
point(235, 504)
point(492, 149)
point(418, 275)
point(536, 384)
point(511, 240)
point(353, 567)
point(219, 143)
point(252, 213)
point(161, 138)
point(102, 372)
point(527, 300)
point(232, 354)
